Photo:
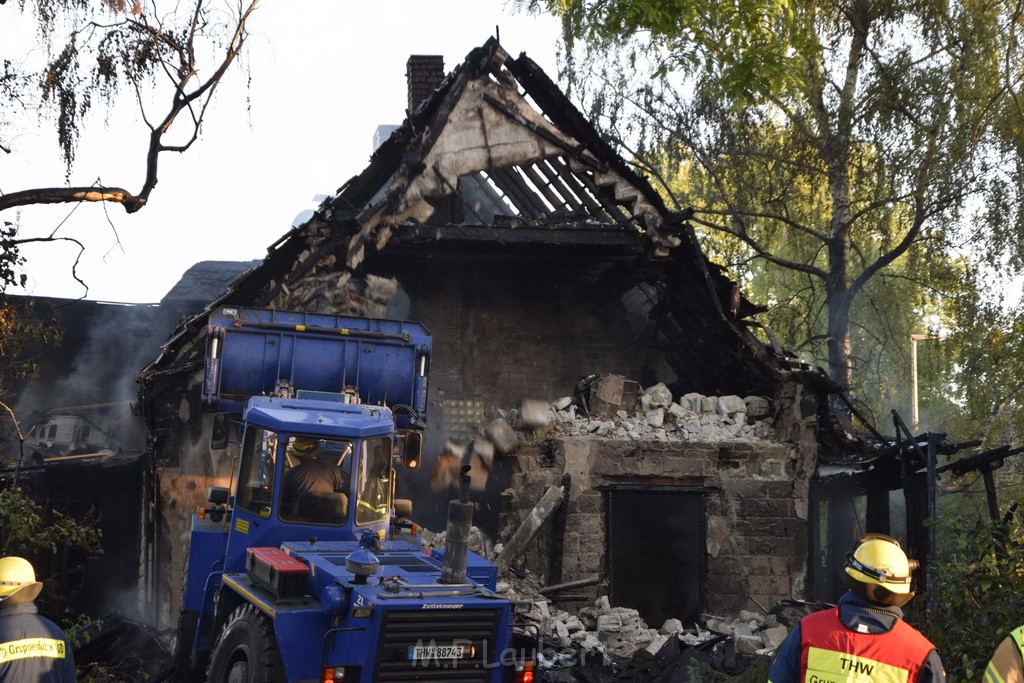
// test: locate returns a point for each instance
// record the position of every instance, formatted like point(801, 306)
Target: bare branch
point(195, 102)
point(765, 253)
point(63, 195)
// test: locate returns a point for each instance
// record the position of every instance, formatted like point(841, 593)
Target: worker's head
point(303, 447)
point(878, 570)
point(18, 583)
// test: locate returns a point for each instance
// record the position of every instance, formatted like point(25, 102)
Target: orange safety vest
point(832, 652)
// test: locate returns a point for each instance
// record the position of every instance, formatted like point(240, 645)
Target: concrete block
point(574, 625)
point(691, 401)
point(748, 645)
point(534, 414)
point(483, 448)
point(656, 643)
point(502, 436)
point(757, 406)
point(656, 417)
point(562, 633)
point(562, 403)
point(671, 626)
point(730, 405)
point(479, 472)
point(609, 623)
point(676, 412)
point(659, 395)
point(773, 637)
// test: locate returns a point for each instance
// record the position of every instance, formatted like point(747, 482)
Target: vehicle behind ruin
point(60, 435)
point(329, 586)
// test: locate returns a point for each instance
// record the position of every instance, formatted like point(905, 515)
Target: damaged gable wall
point(523, 306)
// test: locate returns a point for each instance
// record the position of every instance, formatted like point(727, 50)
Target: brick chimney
point(424, 73)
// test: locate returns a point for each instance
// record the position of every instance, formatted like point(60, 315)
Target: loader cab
point(326, 483)
point(297, 481)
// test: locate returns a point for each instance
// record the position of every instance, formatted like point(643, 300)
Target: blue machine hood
point(324, 418)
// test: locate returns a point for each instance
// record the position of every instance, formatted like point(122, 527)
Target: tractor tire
point(188, 622)
point(246, 650)
point(185, 672)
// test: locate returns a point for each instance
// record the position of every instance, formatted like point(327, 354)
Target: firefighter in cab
point(33, 649)
point(863, 638)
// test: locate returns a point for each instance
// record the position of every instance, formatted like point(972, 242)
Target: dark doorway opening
point(655, 551)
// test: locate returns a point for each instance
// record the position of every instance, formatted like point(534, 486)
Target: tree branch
point(762, 250)
point(63, 195)
point(181, 100)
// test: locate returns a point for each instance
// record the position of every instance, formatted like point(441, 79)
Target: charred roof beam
point(555, 180)
point(477, 182)
point(509, 182)
point(574, 183)
point(544, 187)
point(581, 235)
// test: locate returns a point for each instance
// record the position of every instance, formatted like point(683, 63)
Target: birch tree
point(826, 139)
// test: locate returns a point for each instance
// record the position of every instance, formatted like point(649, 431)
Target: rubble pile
point(649, 414)
point(657, 416)
point(622, 632)
point(612, 635)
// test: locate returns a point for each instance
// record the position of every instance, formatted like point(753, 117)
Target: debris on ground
point(601, 642)
point(114, 648)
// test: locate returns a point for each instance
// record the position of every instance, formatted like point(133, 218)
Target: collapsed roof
point(498, 160)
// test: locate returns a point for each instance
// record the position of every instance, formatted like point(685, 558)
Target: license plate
point(421, 652)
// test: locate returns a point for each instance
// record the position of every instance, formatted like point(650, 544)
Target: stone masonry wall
point(756, 534)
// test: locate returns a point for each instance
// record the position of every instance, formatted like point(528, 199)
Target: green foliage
point(26, 529)
point(977, 595)
point(848, 162)
point(81, 630)
point(11, 259)
point(95, 49)
point(23, 337)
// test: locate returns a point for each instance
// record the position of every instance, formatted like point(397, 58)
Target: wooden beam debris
point(541, 512)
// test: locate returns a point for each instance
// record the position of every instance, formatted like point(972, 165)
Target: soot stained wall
point(504, 334)
point(755, 538)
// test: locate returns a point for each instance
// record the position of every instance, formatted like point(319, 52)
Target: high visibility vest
point(1008, 659)
point(832, 652)
point(1018, 637)
point(24, 648)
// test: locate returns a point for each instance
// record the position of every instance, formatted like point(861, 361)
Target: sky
point(322, 76)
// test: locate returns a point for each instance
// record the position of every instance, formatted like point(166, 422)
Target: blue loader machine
point(308, 569)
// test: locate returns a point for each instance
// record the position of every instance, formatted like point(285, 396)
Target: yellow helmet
point(17, 581)
point(303, 447)
point(879, 570)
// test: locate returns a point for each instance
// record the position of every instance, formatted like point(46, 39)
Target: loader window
point(256, 471)
point(374, 481)
point(315, 480)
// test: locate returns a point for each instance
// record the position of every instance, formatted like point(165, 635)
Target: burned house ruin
point(498, 217)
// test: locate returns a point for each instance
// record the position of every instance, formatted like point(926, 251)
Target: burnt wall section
point(503, 336)
point(755, 535)
point(502, 339)
point(185, 469)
